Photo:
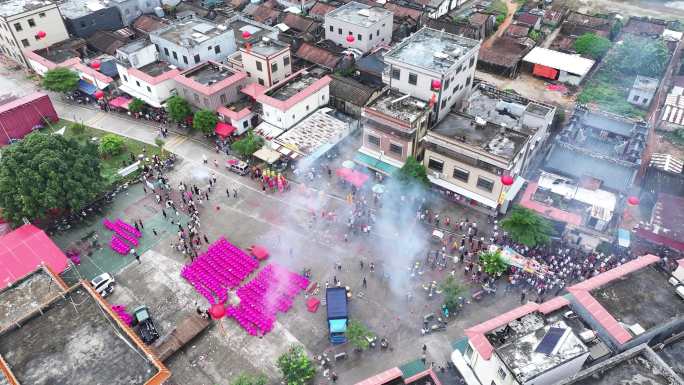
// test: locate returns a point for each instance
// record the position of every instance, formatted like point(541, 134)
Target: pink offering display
point(271, 291)
point(222, 267)
point(124, 235)
point(120, 311)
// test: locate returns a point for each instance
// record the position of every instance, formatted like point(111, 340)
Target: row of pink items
point(125, 236)
point(222, 267)
point(120, 311)
point(273, 290)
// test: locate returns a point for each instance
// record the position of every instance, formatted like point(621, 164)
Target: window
point(156, 46)
point(274, 67)
point(196, 98)
point(185, 59)
point(359, 36)
point(258, 65)
point(17, 27)
point(502, 373)
point(25, 42)
point(37, 37)
point(413, 79)
point(223, 99)
point(175, 55)
point(468, 352)
point(42, 14)
point(83, 24)
point(217, 49)
point(137, 83)
point(125, 78)
point(444, 101)
point(446, 84)
point(249, 74)
point(374, 140)
point(31, 23)
point(396, 74)
point(197, 58)
point(645, 101)
point(396, 149)
point(377, 33)
point(435, 165)
point(370, 37)
point(307, 108)
point(635, 98)
point(332, 28)
point(339, 31)
point(166, 51)
point(472, 61)
point(245, 124)
point(485, 184)
point(468, 81)
point(149, 89)
point(209, 48)
point(206, 102)
point(461, 174)
point(261, 81)
point(286, 61)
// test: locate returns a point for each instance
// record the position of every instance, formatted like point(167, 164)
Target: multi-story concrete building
point(267, 62)
point(393, 126)
point(433, 66)
point(210, 85)
point(143, 76)
point(83, 18)
point(189, 42)
point(293, 99)
point(359, 26)
point(497, 134)
point(20, 22)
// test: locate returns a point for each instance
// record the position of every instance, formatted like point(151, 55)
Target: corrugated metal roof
point(574, 64)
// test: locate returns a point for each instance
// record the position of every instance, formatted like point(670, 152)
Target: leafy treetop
point(60, 79)
point(205, 121)
point(248, 145)
point(412, 171)
point(592, 45)
point(295, 366)
point(357, 333)
point(178, 108)
point(527, 227)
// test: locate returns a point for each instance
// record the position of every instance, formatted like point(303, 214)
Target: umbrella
point(348, 164)
point(378, 188)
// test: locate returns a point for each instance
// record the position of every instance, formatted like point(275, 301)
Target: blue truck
point(338, 314)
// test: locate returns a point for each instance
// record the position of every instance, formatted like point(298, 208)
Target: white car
point(103, 284)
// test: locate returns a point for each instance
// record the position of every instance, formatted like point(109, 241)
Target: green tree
point(527, 227)
point(412, 171)
point(247, 145)
point(205, 121)
point(136, 105)
point(493, 263)
point(640, 56)
point(451, 290)
point(178, 108)
point(111, 145)
point(592, 45)
point(46, 173)
point(60, 79)
point(250, 379)
point(295, 366)
point(357, 333)
point(535, 35)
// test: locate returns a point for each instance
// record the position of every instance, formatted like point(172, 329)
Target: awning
point(375, 164)
point(224, 130)
point(120, 102)
point(461, 191)
point(623, 238)
point(338, 325)
point(86, 87)
point(267, 155)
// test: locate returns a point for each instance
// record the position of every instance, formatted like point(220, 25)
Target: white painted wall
point(487, 370)
point(381, 32)
point(286, 119)
point(51, 23)
point(156, 94)
point(140, 58)
point(250, 67)
point(225, 40)
point(566, 370)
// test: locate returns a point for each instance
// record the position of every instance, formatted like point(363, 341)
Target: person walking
point(154, 231)
point(141, 224)
point(522, 297)
point(365, 284)
point(228, 192)
point(234, 193)
point(204, 159)
point(206, 239)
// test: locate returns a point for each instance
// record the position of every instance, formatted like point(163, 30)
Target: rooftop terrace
point(209, 73)
point(359, 14)
point(63, 50)
point(396, 105)
point(268, 47)
point(291, 87)
point(156, 68)
point(74, 342)
point(534, 343)
point(14, 7)
point(26, 296)
point(257, 31)
point(188, 33)
point(432, 49)
point(633, 300)
point(479, 133)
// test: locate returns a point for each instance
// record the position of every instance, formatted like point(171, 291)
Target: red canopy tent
point(224, 130)
point(120, 102)
point(24, 250)
point(259, 252)
point(354, 177)
point(312, 304)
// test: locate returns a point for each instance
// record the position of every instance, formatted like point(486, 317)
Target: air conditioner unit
point(680, 291)
point(673, 281)
point(636, 329)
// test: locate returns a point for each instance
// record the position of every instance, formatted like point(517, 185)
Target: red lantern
point(436, 84)
point(246, 35)
point(95, 64)
point(507, 180)
point(633, 201)
point(217, 311)
point(99, 94)
point(41, 34)
point(350, 38)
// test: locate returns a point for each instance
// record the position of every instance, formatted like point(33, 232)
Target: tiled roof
point(581, 293)
point(262, 13)
point(640, 27)
point(350, 90)
point(517, 30)
point(528, 19)
point(320, 9)
point(148, 23)
point(382, 378)
point(478, 18)
point(299, 23)
point(106, 41)
point(401, 12)
point(316, 55)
